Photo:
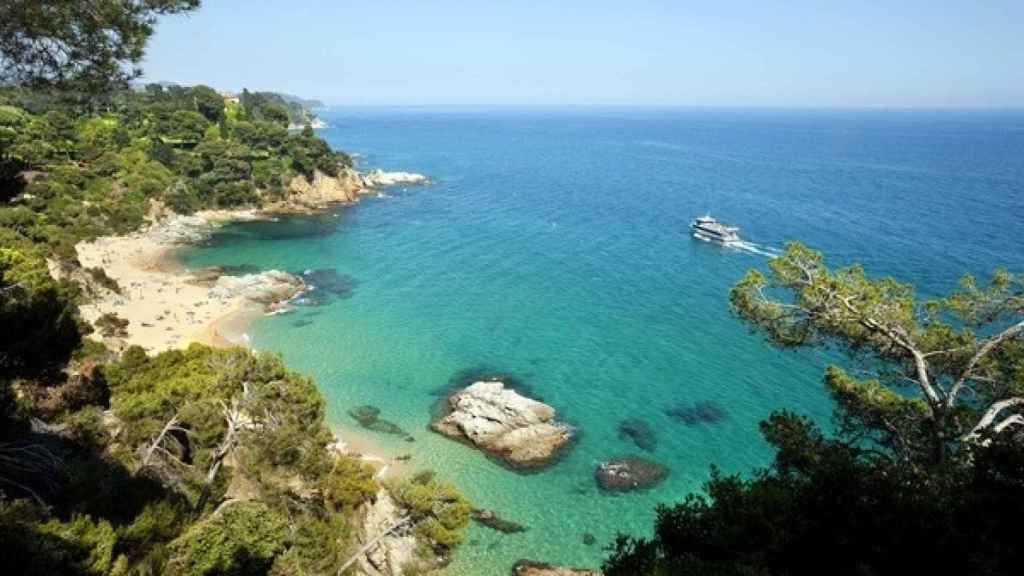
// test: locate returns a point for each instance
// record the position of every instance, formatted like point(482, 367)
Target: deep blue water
point(553, 246)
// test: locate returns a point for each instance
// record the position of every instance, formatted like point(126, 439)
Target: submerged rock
point(629, 473)
point(640, 432)
point(490, 519)
point(589, 539)
point(532, 568)
point(703, 412)
point(521, 431)
point(369, 417)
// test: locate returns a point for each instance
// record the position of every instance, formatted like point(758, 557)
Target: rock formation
point(380, 178)
point(324, 190)
point(497, 420)
point(393, 553)
point(629, 473)
point(265, 288)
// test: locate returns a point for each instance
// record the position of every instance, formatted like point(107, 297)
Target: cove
point(553, 247)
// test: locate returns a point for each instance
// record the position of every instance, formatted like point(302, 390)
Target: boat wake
point(754, 248)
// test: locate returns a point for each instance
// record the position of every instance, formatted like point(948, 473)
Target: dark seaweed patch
point(490, 519)
point(702, 412)
point(639, 432)
point(369, 417)
point(327, 285)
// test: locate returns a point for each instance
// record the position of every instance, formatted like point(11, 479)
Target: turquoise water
point(553, 246)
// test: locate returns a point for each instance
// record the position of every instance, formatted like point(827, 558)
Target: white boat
point(710, 230)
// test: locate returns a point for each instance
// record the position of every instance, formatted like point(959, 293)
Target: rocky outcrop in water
point(532, 568)
point(267, 288)
point(380, 178)
point(629, 473)
point(324, 190)
point(520, 431)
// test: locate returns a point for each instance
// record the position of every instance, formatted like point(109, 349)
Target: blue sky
point(830, 53)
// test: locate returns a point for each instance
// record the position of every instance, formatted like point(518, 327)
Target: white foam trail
point(754, 248)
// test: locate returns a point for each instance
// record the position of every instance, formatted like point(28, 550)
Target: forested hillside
point(197, 461)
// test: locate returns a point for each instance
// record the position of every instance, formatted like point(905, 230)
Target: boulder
point(532, 568)
point(521, 431)
point(629, 473)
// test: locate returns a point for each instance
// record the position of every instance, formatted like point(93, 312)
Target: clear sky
point(902, 53)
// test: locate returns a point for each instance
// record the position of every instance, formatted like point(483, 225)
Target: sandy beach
point(166, 305)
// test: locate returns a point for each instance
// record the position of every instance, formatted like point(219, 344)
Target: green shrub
point(349, 484)
point(439, 511)
point(242, 538)
point(112, 325)
point(99, 276)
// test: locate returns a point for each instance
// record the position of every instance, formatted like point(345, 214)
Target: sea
point(552, 248)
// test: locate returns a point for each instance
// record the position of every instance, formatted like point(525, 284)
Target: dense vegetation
point(925, 471)
point(68, 174)
point(196, 461)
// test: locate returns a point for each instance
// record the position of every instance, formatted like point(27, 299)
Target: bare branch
point(1008, 421)
point(990, 416)
point(373, 542)
point(986, 347)
point(171, 424)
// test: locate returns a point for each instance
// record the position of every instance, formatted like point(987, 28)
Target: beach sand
point(166, 306)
